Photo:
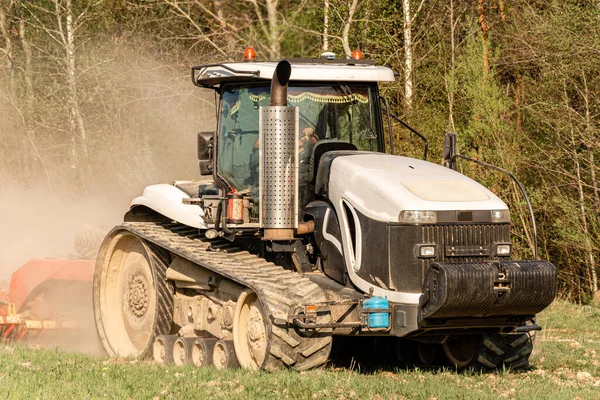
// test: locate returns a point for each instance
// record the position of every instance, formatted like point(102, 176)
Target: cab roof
point(337, 70)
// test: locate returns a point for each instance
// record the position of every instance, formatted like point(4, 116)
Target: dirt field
point(565, 365)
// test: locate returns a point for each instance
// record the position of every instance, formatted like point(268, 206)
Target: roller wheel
point(224, 355)
point(133, 303)
point(202, 352)
point(182, 350)
point(462, 350)
point(162, 350)
point(250, 337)
point(429, 354)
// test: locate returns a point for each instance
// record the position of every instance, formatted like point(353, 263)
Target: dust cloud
point(141, 117)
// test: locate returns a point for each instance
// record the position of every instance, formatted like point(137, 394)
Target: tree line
point(96, 93)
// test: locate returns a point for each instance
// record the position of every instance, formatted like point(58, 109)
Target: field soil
point(565, 365)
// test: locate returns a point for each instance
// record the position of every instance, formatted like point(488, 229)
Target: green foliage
point(535, 111)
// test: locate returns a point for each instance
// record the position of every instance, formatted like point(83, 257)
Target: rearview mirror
point(205, 147)
point(205, 140)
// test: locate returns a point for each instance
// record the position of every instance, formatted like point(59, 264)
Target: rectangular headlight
point(503, 250)
point(427, 251)
point(417, 217)
point(500, 216)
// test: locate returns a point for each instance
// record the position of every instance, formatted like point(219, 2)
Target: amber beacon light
point(357, 55)
point(249, 54)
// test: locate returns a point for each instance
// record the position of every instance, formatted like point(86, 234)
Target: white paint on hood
point(381, 185)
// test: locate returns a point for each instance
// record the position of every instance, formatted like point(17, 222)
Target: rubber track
point(278, 289)
point(504, 351)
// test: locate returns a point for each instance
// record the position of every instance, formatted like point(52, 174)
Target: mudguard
point(168, 201)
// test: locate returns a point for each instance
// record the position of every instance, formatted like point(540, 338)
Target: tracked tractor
point(302, 229)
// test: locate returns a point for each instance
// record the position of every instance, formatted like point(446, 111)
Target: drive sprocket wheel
point(490, 351)
point(133, 303)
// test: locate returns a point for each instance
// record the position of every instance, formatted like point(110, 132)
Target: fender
point(167, 200)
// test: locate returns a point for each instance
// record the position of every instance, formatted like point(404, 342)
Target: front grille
point(407, 271)
point(463, 235)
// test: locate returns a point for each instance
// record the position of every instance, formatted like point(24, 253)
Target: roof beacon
point(328, 55)
point(357, 55)
point(249, 54)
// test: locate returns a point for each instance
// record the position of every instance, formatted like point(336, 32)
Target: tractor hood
point(380, 186)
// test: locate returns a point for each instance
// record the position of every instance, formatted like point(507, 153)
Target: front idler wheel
point(133, 303)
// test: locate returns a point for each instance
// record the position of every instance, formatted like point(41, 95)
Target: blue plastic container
point(378, 319)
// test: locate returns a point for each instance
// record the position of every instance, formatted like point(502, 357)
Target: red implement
point(37, 273)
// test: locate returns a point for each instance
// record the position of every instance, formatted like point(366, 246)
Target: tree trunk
point(484, 35)
point(346, 32)
point(274, 45)
point(326, 26)
point(518, 102)
point(590, 140)
point(451, 87)
point(408, 55)
point(8, 53)
point(79, 140)
point(582, 210)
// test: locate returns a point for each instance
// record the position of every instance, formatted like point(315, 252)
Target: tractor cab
point(338, 104)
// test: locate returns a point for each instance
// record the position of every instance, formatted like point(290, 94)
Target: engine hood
point(381, 185)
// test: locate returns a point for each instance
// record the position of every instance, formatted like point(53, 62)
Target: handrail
point(514, 178)
point(413, 130)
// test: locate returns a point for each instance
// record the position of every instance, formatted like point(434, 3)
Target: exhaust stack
point(278, 153)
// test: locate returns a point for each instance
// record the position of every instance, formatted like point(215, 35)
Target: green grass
point(565, 365)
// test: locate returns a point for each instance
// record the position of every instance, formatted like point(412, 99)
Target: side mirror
point(205, 148)
point(450, 150)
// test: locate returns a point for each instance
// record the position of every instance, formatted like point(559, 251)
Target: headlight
point(417, 217)
point(503, 249)
point(500, 216)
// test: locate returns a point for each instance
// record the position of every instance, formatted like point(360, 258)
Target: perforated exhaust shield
point(278, 167)
point(485, 289)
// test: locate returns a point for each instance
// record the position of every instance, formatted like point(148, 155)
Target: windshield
point(327, 113)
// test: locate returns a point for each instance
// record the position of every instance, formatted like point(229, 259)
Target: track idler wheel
point(133, 303)
point(182, 350)
point(224, 355)
point(202, 352)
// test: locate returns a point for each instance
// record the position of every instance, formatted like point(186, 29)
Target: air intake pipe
point(278, 153)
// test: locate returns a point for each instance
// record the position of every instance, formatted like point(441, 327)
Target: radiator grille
point(407, 271)
point(463, 235)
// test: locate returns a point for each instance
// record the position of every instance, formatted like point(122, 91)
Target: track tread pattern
point(504, 351)
point(279, 290)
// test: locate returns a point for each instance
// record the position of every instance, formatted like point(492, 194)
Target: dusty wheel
point(162, 349)
point(224, 355)
point(202, 352)
point(250, 336)
point(504, 351)
point(182, 350)
point(461, 350)
point(132, 301)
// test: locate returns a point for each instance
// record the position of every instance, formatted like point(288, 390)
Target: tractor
point(305, 228)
